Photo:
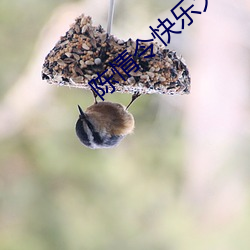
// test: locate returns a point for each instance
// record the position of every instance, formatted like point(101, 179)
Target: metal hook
point(110, 16)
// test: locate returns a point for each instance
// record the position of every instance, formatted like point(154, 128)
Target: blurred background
point(180, 182)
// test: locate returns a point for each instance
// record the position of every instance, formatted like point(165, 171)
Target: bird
point(104, 124)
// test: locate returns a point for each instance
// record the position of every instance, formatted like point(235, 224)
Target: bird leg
point(95, 95)
point(134, 97)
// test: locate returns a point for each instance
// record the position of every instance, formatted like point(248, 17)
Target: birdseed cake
point(86, 51)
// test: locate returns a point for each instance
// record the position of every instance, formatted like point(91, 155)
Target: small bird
point(104, 124)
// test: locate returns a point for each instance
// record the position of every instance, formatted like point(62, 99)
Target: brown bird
point(104, 124)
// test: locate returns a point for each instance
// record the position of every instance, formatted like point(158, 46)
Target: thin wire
point(110, 16)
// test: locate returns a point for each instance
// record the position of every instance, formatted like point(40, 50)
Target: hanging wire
point(110, 16)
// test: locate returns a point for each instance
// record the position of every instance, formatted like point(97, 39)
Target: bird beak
point(82, 115)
